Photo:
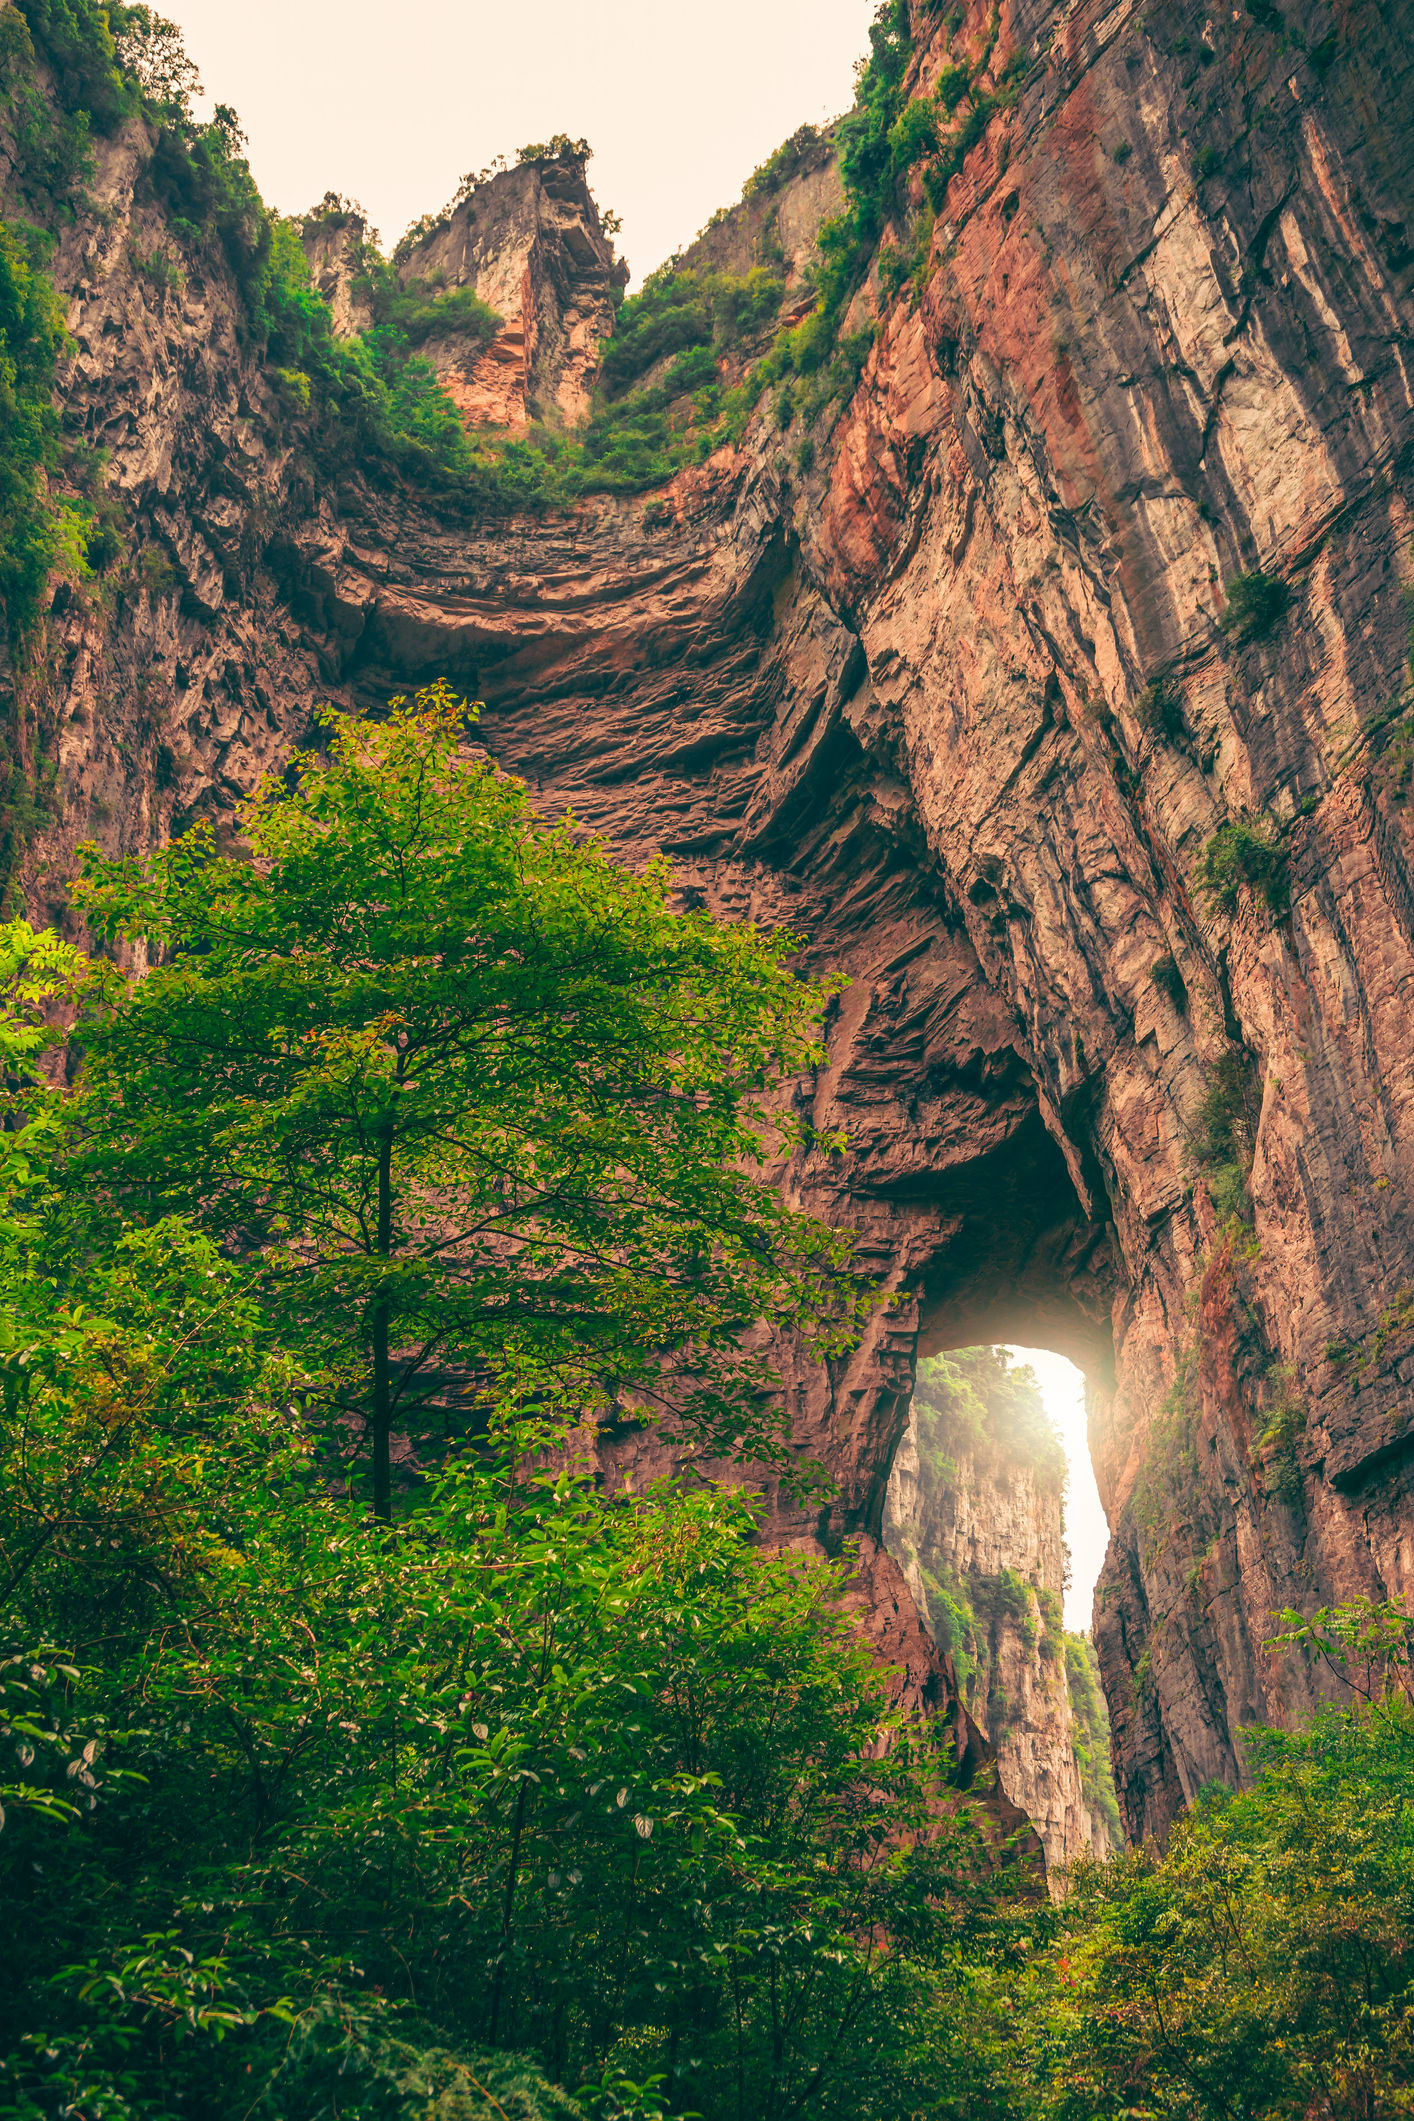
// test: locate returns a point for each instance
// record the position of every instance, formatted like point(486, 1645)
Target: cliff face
point(973, 1514)
point(975, 699)
point(528, 243)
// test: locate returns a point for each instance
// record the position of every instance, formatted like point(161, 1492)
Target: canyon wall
point(973, 1514)
point(955, 674)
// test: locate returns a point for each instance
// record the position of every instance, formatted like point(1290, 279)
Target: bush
point(425, 314)
point(953, 83)
point(1245, 851)
point(1090, 1732)
point(978, 1402)
point(679, 309)
point(1159, 708)
point(75, 40)
point(1263, 1964)
point(1255, 605)
point(1222, 1134)
point(913, 134)
point(793, 155)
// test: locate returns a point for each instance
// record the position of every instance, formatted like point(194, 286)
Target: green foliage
point(977, 1402)
point(1222, 1134)
point(786, 162)
point(1245, 851)
point(558, 148)
point(75, 41)
point(411, 311)
point(679, 308)
point(1223, 1125)
point(1160, 708)
point(53, 153)
point(913, 134)
point(1256, 603)
point(1167, 1479)
point(953, 84)
point(588, 1777)
point(1264, 1964)
point(31, 335)
point(329, 1815)
point(1284, 1416)
point(472, 1092)
point(1090, 1737)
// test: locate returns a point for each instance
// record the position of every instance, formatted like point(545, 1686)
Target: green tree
point(481, 1102)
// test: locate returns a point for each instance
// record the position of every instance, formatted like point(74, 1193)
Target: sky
point(1086, 1532)
point(391, 106)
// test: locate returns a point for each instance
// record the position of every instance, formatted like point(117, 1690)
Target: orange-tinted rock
point(528, 243)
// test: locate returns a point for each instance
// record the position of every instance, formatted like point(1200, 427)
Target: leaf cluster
point(415, 984)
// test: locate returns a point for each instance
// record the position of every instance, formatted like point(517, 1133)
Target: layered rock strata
point(972, 700)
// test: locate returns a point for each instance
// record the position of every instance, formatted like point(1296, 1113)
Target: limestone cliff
point(973, 1513)
point(1054, 675)
point(528, 243)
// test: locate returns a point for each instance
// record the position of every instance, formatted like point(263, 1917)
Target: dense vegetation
point(428, 1114)
point(362, 1754)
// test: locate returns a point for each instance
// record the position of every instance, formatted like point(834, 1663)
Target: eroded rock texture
point(1163, 341)
point(529, 244)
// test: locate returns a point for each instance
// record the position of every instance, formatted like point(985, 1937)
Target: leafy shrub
point(1284, 1418)
point(1245, 851)
point(1222, 1127)
point(786, 162)
point(957, 146)
point(1160, 708)
point(1090, 1732)
point(53, 152)
point(1263, 1964)
point(677, 309)
point(560, 147)
point(1222, 1134)
point(913, 134)
point(953, 83)
point(75, 40)
point(422, 315)
point(1255, 605)
point(893, 269)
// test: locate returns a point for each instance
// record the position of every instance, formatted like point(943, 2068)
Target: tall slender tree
point(477, 1096)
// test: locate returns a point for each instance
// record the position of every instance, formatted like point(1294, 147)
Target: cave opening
point(1063, 1391)
point(993, 1517)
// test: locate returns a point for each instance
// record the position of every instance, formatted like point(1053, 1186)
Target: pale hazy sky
point(1086, 1532)
point(393, 105)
